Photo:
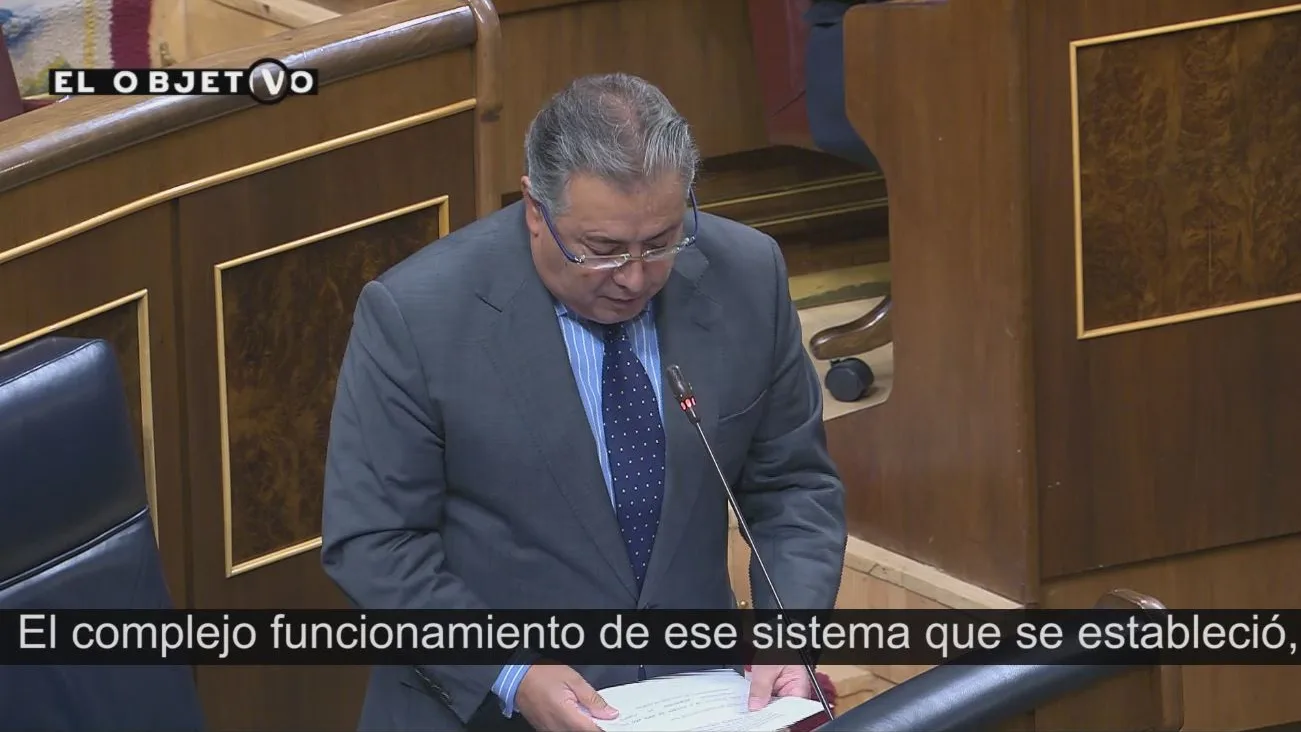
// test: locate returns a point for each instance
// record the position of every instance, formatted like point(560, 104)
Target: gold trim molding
point(242, 171)
point(248, 565)
point(822, 213)
point(1081, 331)
point(1161, 30)
point(141, 299)
point(844, 181)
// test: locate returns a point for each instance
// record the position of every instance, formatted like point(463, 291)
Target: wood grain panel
point(240, 218)
point(941, 472)
point(698, 53)
point(212, 27)
point(1190, 170)
point(275, 310)
point(1161, 441)
point(183, 156)
point(1256, 575)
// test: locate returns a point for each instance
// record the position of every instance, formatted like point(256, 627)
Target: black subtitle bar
point(687, 638)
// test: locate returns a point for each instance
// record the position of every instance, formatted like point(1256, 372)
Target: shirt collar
point(564, 312)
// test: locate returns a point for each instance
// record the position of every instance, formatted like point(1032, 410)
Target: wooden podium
point(1096, 259)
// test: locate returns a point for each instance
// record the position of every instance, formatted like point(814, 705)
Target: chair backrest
point(824, 65)
point(799, 52)
point(76, 533)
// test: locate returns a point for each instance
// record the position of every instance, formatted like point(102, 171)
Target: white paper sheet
point(714, 701)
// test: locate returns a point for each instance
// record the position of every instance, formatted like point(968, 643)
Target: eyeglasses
point(615, 261)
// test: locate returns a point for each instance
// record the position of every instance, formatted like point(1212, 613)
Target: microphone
point(687, 401)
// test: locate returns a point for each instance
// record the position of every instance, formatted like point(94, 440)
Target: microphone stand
point(687, 401)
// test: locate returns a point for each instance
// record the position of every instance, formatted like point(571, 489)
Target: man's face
point(603, 219)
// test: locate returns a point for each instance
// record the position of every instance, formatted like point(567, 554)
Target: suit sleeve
point(385, 493)
point(790, 491)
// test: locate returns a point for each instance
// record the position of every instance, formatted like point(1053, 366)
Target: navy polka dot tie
point(634, 440)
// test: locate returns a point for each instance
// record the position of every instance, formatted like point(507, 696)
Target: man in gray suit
point(502, 439)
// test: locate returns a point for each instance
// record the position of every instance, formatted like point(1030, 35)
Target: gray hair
point(617, 127)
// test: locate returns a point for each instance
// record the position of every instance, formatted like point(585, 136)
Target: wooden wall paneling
point(115, 282)
point(1190, 183)
point(698, 53)
point(1164, 449)
point(1177, 436)
point(942, 471)
point(168, 33)
point(212, 27)
point(276, 383)
point(271, 266)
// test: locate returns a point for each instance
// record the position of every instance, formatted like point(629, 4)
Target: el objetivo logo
point(267, 81)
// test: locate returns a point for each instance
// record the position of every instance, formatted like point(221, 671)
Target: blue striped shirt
point(586, 345)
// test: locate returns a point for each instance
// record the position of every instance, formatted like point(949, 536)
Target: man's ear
point(531, 215)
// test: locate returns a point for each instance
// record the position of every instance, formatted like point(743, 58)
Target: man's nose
point(631, 276)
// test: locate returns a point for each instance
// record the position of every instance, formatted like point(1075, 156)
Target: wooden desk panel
point(1161, 437)
point(139, 216)
point(943, 467)
point(1011, 449)
point(1188, 143)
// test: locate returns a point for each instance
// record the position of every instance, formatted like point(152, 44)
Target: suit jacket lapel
point(528, 350)
point(684, 319)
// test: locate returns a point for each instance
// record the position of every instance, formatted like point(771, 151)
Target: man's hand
point(767, 682)
point(557, 699)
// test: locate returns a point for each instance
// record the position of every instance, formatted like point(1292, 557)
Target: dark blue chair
point(848, 378)
point(76, 533)
point(799, 49)
point(824, 83)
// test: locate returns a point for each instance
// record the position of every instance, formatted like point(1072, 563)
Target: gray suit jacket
point(462, 472)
